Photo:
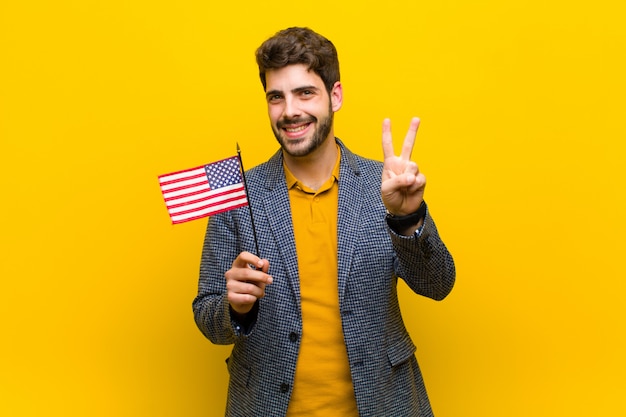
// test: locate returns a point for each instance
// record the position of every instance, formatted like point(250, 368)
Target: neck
point(314, 169)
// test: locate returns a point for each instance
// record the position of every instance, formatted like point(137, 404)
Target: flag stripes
point(203, 191)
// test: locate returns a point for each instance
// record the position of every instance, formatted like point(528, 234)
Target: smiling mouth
point(296, 125)
point(296, 129)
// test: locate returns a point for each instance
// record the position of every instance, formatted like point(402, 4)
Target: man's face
point(300, 109)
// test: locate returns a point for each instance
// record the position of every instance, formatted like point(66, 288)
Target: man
point(314, 318)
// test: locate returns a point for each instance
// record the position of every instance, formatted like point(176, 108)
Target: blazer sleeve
point(424, 262)
point(210, 307)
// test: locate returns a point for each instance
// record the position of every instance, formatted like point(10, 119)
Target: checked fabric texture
point(371, 257)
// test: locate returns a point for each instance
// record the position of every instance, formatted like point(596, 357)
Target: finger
point(411, 181)
point(420, 180)
point(397, 184)
point(247, 274)
point(265, 267)
point(246, 258)
point(411, 168)
point(238, 287)
point(387, 141)
point(418, 183)
point(241, 301)
point(409, 139)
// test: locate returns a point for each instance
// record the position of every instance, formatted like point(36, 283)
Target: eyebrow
point(294, 91)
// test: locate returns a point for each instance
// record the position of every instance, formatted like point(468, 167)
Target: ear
point(336, 96)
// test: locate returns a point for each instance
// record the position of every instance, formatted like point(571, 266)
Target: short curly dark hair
point(299, 45)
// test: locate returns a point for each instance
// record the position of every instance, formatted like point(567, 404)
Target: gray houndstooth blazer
point(386, 377)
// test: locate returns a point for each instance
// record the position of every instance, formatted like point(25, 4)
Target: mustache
point(298, 120)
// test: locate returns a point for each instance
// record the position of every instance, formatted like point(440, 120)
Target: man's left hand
point(403, 185)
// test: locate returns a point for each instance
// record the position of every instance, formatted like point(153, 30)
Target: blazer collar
point(276, 173)
point(350, 205)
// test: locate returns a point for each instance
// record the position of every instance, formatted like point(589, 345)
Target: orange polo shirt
point(322, 386)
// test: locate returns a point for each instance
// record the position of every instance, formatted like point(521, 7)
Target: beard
point(322, 130)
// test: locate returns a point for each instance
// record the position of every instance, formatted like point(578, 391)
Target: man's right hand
point(246, 281)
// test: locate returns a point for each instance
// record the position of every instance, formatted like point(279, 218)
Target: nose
point(291, 109)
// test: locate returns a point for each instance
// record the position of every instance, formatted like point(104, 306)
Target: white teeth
point(295, 129)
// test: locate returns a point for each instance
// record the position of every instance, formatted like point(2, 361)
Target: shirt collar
point(292, 181)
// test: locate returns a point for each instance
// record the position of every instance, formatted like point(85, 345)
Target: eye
point(273, 98)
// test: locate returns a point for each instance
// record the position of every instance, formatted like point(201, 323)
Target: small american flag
point(203, 191)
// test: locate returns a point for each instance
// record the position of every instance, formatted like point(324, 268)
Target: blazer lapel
point(278, 211)
point(349, 208)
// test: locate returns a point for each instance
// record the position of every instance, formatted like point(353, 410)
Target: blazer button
point(284, 388)
point(293, 337)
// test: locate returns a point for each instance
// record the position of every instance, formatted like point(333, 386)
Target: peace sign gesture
point(402, 186)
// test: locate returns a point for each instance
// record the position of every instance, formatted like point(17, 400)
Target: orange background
point(522, 141)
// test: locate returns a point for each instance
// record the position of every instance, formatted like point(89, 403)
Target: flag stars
point(223, 173)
